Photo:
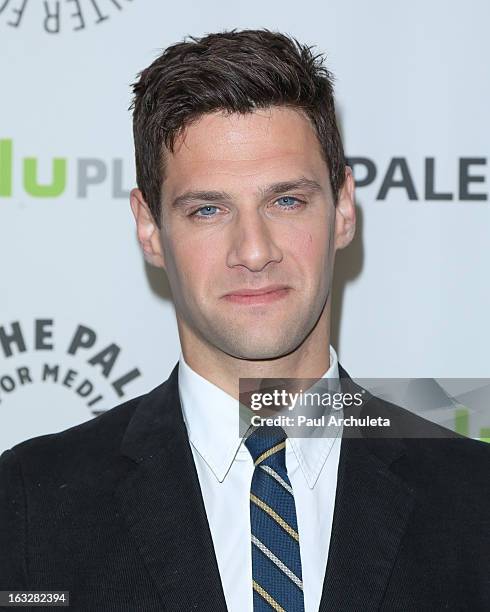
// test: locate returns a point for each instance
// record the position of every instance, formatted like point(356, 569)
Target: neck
point(310, 360)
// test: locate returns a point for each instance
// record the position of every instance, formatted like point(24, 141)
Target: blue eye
point(289, 201)
point(207, 210)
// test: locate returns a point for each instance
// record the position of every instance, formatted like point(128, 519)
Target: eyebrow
point(270, 190)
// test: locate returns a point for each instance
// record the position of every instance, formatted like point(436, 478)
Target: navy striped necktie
point(276, 563)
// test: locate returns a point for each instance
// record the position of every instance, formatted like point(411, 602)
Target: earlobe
point(146, 229)
point(345, 212)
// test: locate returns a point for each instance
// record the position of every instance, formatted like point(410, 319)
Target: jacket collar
point(372, 509)
point(162, 505)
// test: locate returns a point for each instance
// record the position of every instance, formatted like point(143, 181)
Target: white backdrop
point(77, 302)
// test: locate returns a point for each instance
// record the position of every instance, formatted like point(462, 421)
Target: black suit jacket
point(112, 511)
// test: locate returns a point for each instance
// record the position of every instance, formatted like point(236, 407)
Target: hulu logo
point(31, 185)
point(462, 422)
point(89, 172)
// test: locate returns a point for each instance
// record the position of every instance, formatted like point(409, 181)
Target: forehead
point(250, 146)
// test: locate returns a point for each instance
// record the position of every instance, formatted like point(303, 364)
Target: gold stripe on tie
point(294, 534)
point(270, 600)
point(270, 452)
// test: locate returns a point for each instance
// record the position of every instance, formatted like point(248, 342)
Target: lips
point(254, 292)
point(254, 297)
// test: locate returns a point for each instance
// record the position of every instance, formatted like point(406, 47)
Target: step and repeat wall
point(85, 324)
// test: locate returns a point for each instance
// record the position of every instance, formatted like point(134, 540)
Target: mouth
point(252, 297)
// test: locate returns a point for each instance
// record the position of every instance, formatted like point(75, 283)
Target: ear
point(345, 212)
point(147, 230)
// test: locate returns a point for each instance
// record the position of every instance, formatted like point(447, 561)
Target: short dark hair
point(231, 71)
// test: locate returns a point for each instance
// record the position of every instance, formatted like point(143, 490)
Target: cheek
point(308, 247)
point(195, 260)
point(308, 235)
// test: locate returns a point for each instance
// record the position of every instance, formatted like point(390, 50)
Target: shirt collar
point(212, 420)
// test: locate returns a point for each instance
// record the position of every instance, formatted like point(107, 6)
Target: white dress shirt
point(225, 470)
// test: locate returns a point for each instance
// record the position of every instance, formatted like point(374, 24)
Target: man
point(159, 504)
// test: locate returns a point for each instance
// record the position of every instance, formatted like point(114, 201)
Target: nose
point(252, 243)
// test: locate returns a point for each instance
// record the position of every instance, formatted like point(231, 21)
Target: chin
point(259, 350)
point(260, 341)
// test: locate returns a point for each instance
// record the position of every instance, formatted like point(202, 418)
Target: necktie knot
point(267, 446)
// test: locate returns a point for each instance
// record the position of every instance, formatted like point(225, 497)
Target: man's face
point(247, 206)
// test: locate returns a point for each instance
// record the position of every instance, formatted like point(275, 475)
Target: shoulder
point(83, 451)
point(448, 471)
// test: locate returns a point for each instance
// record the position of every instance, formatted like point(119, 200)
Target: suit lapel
point(163, 507)
point(162, 504)
point(372, 508)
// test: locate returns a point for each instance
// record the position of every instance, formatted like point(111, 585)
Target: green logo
point(88, 172)
point(462, 425)
point(31, 185)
